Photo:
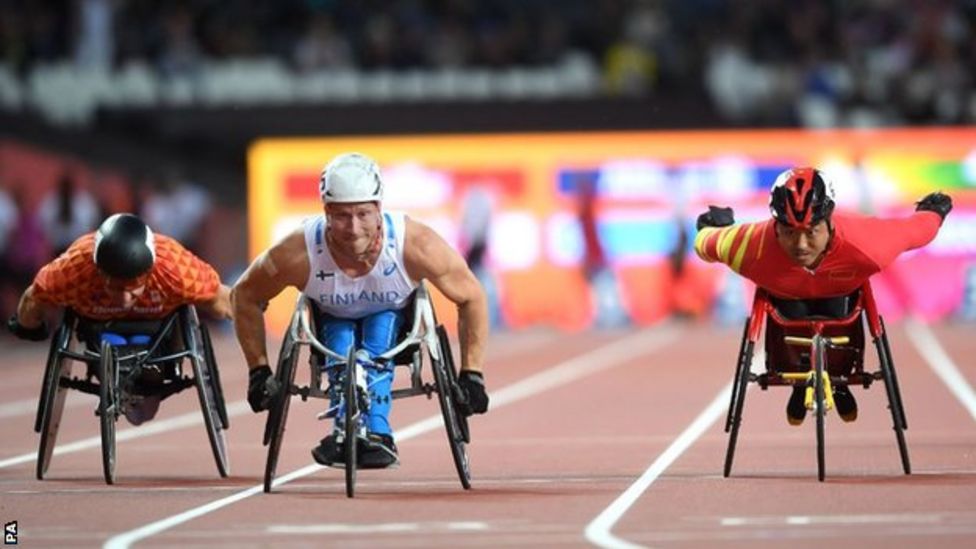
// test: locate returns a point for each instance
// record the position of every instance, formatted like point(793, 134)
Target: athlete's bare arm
point(427, 256)
point(30, 310)
point(219, 307)
point(284, 264)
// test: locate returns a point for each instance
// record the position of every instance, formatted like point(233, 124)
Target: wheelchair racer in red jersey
point(811, 259)
point(121, 272)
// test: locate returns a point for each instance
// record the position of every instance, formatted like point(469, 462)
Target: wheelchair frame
point(818, 378)
point(111, 386)
point(424, 333)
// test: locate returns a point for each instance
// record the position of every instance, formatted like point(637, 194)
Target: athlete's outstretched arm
point(284, 264)
point(427, 256)
point(30, 310)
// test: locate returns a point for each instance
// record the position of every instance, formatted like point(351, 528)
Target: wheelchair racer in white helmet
point(360, 265)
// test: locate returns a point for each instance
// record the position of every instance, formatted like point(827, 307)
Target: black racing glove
point(39, 333)
point(473, 385)
point(715, 217)
point(937, 202)
point(260, 388)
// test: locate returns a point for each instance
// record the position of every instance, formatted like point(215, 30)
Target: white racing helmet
point(351, 177)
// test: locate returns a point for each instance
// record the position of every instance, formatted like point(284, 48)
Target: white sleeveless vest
point(386, 287)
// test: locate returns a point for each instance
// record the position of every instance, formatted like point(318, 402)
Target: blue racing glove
point(39, 333)
point(937, 202)
point(715, 217)
point(473, 385)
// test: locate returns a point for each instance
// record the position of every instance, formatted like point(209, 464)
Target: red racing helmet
point(801, 197)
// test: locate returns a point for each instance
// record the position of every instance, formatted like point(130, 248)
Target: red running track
point(596, 439)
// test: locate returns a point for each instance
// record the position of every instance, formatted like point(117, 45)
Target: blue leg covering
point(336, 334)
point(379, 332)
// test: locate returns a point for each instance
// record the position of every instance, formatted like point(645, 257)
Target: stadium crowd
point(766, 62)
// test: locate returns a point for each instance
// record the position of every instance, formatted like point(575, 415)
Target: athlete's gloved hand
point(40, 333)
point(715, 217)
point(473, 385)
point(261, 386)
point(937, 202)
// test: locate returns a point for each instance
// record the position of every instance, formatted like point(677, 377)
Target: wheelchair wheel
point(894, 397)
point(739, 385)
point(51, 406)
point(738, 371)
point(455, 424)
point(108, 408)
point(204, 381)
point(351, 423)
point(452, 375)
point(208, 354)
point(819, 350)
point(274, 427)
point(894, 376)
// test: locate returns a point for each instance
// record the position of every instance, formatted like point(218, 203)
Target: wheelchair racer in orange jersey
point(122, 271)
point(807, 253)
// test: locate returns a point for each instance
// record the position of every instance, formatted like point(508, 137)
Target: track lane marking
point(151, 428)
point(609, 355)
point(938, 359)
point(598, 531)
point(29, 406)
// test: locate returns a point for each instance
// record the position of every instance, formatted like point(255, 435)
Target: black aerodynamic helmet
point(801, 197)
point(124, 247)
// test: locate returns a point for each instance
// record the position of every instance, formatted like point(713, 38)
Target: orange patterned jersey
point(178, 277)
point(861, 246)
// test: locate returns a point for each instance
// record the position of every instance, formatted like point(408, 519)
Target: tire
point(894, 399)
point(452, 373)
point(740, 384)
point(455, 424)
point(733, 397)
point(274, 427)
point(894, 375)
point(206, 393)
point(351, 421)
point(108, 408)
point(208, 354)
point(819, 350)
point(51, 407)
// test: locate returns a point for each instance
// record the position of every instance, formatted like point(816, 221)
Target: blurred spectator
point(770, 62)
point(8, 219)
point(67, 212)
point(95, 46)
point(476, 217)
point(609, 309)
point(322, 46)
point(475, 226)
point(177, 209)
point(27, 247)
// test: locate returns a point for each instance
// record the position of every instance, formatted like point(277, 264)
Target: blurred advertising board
point(556, 208)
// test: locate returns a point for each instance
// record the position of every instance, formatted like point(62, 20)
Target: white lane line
point(605, 357)
point(378, 528)
point(598, 531)
point(938, 359)
point(806, 520)
point(149, 429)
point(29, 406)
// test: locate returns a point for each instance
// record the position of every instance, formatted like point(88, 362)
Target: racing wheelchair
point(819, 349)
point(349, 394)
point(127, 361)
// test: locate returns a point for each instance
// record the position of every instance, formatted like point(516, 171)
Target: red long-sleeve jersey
point(861, 246)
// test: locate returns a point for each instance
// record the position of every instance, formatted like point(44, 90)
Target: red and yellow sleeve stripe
point(726, 245)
